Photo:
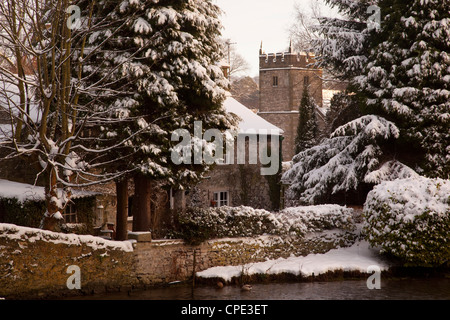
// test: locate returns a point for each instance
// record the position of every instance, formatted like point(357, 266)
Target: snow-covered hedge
point(301, 220)
point(410, 219)
point(198, 225)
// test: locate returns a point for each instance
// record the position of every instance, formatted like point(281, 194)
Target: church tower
point(282, 77)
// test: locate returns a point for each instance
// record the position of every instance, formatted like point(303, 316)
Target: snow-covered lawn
point(358, 257)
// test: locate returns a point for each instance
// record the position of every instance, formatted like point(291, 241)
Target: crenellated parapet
point(287, 60)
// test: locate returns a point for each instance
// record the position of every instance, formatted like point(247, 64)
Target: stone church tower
point(282, 77)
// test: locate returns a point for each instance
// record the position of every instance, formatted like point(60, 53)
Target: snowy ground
point(358, 257)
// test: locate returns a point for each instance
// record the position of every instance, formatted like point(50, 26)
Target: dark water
point(409, 289)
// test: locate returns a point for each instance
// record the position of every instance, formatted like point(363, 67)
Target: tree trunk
point(51, 219)
point(141, 203)
point(122, 210)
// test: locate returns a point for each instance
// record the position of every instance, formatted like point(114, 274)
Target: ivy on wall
point(30, 213)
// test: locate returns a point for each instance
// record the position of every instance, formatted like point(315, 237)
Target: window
point(70, 213)
point(275, 81)
point(220, 199)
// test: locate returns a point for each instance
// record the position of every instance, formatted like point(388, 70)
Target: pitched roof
point(27, 192)
point(251, 123)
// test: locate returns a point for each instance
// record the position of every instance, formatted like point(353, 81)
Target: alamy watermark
point(374, 21)
point(74, 281)
point(217, 147)
point(74, 20)
point(374, 281)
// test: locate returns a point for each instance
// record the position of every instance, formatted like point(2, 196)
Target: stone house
point(248, 174)
point(24, 204)
point(241, 179)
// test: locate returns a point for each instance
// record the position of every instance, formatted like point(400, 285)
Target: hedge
point(410, 219)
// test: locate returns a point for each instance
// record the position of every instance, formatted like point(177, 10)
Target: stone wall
point(166, 261)
point(33, 264)
point(243, 182)
point(287, 95)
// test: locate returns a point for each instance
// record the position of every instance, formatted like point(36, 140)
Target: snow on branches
point(84, 103)
point(351, 156)
point(406, 77)
point(164, 60)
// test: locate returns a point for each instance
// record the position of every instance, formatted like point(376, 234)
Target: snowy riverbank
point(357, 258)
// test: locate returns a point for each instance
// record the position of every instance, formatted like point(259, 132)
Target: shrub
point(25, 214)
point(30, 213)
point(410, 219)
point(198, 225)
point(301, 220)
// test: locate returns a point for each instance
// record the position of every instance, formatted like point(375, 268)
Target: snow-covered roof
point(27, 192)
point(251, 122)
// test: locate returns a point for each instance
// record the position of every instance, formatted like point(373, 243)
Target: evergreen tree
point(307, 129)
point(163, 66)
point(344, 107)
point(343, 167)
point(342, 43)
point(401, 91)
point(407, 78)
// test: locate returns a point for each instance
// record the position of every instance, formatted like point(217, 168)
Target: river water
point(403, 289)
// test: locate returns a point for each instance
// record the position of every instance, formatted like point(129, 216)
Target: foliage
point(344, 107)
point(301, 220)
point(342, 44)
point(27, 214)
point(410, 219)
point(164, 76)
point(274, 180)
point(398, 72)
point(86, 214)
point(354, 152)
point(406, 79)
point(307, 130)
point(41, 96)
point(198, 224)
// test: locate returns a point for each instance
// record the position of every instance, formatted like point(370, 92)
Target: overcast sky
point(248, 22)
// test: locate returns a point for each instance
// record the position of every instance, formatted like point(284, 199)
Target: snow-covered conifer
point(342, 45)
point(407, 79)
point(307, 130)
point(164, 75)
point(351, 157)
point(163, 65)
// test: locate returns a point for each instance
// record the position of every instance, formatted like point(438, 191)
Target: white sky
point(248, 22)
